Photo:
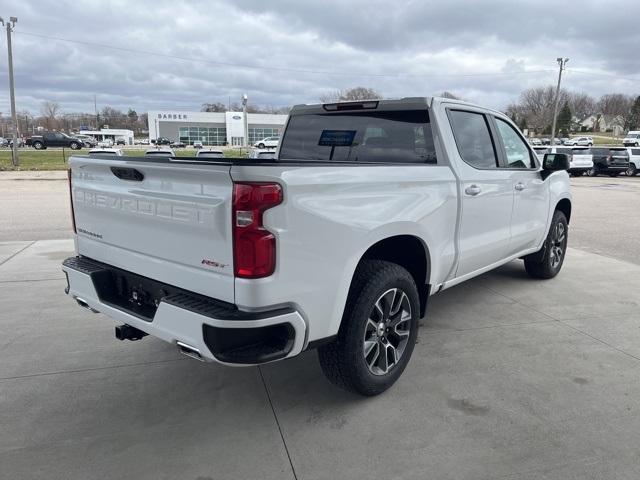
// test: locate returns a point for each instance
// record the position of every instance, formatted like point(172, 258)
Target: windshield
point(633, 135)
point(378, 136)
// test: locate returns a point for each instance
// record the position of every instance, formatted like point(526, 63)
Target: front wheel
point(261, 145)
point(593, 171)
point(632, 171)
point(548, 261)
point(378, 330)
point(74, 146)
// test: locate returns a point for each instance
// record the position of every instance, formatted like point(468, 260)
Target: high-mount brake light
point(332, 107)
point(73, 215)
point(254, 247)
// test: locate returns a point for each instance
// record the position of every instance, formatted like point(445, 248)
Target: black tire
point(75, 146)
point(344, 361)
point(548, 261)
point(38, 145)
point(593, 171)
point(632, 171)
point(261, 145)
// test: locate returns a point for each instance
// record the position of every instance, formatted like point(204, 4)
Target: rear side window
point(473, 139)
point(402, 136)
point(619, 153)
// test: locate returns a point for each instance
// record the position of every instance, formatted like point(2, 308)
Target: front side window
point(402, 136)
point(518, 154)
point(473, 139)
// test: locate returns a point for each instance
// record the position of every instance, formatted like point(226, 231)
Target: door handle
point(472, 190)
point(520, 186)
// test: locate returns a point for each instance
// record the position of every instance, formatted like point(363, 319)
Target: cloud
point(486, 52)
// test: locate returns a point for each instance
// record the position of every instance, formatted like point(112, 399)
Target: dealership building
point(214, 128)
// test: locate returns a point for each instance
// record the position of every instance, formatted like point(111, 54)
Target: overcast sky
point(485, 51)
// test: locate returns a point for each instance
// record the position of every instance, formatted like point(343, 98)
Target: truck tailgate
point(169, 221)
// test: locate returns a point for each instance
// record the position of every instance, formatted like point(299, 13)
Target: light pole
point(10, 25)
point(245, 120)
point(562, 62)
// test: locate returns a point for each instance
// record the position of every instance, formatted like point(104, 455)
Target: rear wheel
point(75, 146)
point(378, 331)
point(38, 145)
point(593, 171)
point(632, 171)
point(548, 261)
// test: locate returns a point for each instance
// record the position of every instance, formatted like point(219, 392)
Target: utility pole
point(95, 109)
point(245, 120)
point(10, 25)
point(562, 62)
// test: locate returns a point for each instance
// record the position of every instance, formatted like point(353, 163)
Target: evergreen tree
point(564, 119)
point(634, 116)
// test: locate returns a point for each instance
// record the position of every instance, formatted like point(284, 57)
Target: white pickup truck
point(337, 243)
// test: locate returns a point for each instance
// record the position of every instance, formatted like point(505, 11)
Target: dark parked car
point(161, 141)
point(178, 145)
point(609, 160)
point(54, 139)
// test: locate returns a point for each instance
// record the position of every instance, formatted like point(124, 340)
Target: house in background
point(603, 123)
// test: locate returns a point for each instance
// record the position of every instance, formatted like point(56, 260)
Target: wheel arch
point(411, 253)
point(564, 205)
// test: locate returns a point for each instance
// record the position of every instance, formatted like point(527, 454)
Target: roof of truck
point(406, 103)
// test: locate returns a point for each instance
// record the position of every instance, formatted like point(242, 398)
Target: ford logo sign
point(237, 117)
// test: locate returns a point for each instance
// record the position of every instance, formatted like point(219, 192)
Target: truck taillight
point(73, 215)
point(254, 247)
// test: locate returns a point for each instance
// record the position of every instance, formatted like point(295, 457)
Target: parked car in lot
point(204, 154)
point(54, 139)
point(609, 160)
point(161, 141)
point(581, 141)
point(535, 141)
point(580, 158)
point(547, 141)
point(269, 142)
point(4, 142)
point(634, 161)
point(632, 139)
point(263, 154)
point(121, 141)
point(198, 145)
point(106, 151)
point(178, 145)
point(106, 143)
point(336, 245)
point(159, 152)
point(87, 140)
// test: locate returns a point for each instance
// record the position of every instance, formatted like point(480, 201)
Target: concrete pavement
point(511, 378)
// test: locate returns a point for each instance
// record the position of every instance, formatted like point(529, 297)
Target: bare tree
point(536, 106)
point(616, 105)
point(350, 94)
point(49, 111)
point(213, 107)
point(582, 104)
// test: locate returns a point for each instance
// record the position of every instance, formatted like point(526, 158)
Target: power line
point(599, 74)
point(282, 69)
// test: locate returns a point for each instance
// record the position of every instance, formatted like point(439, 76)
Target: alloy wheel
point(387, 331)
point(558, 240)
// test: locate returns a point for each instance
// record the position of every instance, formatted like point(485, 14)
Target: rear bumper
point(219, 332)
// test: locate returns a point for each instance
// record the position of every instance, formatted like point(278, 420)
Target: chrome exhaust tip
point(83, 303)
point(189, 351)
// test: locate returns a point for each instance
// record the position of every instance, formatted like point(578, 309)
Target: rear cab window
point(366, 136)
point(473, 139)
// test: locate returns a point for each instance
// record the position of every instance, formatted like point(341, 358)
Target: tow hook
point(127, 332)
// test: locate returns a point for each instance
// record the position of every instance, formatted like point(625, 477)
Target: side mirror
point(554, 162)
